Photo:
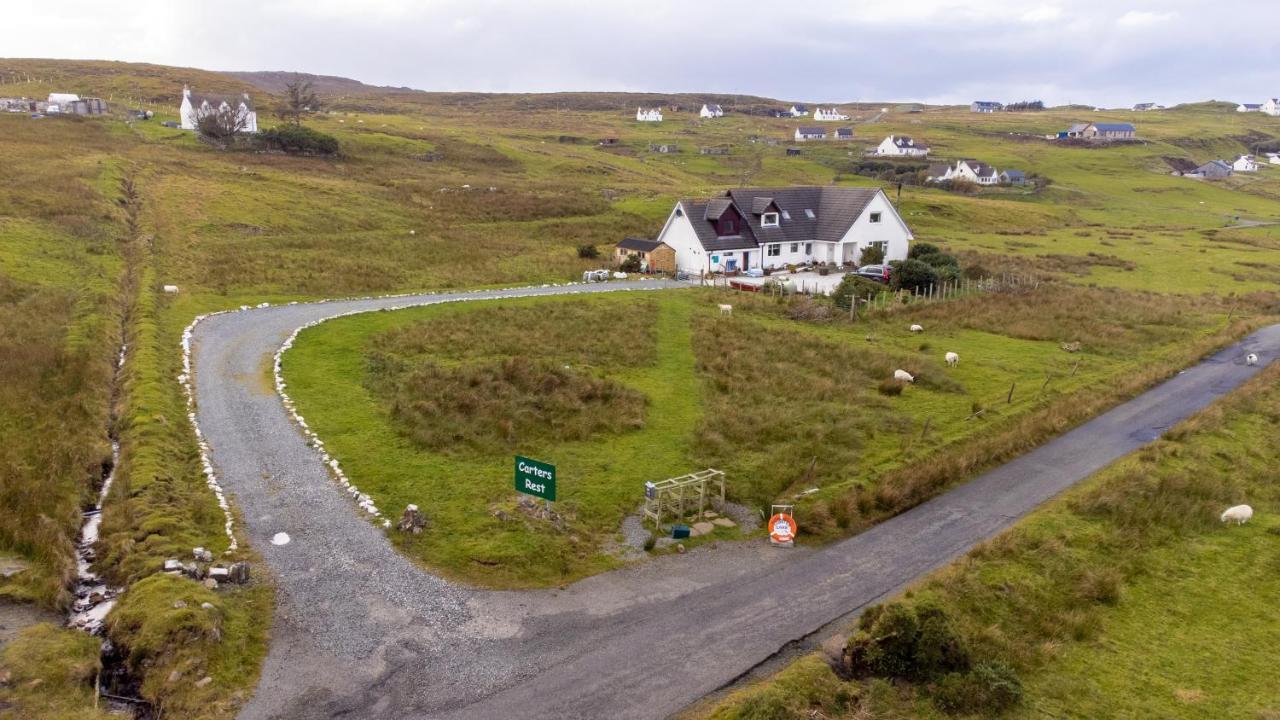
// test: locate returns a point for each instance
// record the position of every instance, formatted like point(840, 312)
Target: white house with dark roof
point(798, 111)
point(972, 171)
point(844, 133)
point(711, 111)
point(901, 146)
point(810, 133)
point(1249, 107)
point(749, 228)
point(985, 106)
point(649, 115)
point(195, 106)
point(1271, 106)
point(829, 115)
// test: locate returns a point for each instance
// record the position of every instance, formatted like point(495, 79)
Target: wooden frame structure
point(674, 498)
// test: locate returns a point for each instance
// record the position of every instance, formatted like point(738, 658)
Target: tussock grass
point(51, 675)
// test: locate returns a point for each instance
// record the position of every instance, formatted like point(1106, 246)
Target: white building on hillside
point(711, 111)
point(1271, 106)
point(829, 115)
point(650, 115)
point(1249, 107)
point(901, 146)
point(798, 111)
point(758, 228)
point(968, 170)
point(1245, 163)
point(196, 106)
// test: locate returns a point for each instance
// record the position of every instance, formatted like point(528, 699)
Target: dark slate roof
point(1113, 127)
point(982, 169)
point(813, 131)
point(938, 169)
point(834, 208)
point(987, 103)
point(639, 244)
point(715, 208)
point(216, 101)
point(1219, 164)
point(906, 142)
point(844, 132)
point(1014, 173)
point(801, 108)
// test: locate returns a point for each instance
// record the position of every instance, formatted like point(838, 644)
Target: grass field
point(758, 395)
point(1126, 597)
point(394, 213)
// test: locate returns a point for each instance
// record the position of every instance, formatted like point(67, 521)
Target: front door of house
point(746, 261)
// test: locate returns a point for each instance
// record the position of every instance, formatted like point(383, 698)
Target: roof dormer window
point(769, 219)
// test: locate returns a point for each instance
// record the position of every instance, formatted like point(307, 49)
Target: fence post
point(1009, 400)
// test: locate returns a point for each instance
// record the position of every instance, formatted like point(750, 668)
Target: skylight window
point(809, 213)
point(786, 215)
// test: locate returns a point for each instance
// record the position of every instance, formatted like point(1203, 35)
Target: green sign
point(535, 478)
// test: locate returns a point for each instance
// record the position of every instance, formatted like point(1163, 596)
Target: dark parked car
point(879, 273)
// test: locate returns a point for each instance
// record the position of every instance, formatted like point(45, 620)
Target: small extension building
point(761, 228)
point(655, 255)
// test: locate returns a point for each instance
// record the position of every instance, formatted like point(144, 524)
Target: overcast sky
point(1085, 51)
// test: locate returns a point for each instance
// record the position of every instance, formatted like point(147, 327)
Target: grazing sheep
point(1238, 514)
point(171, 288)
point(726, 309)
point(916, 328)
point(903, 376)
point(1251, 359)
point(952, 359)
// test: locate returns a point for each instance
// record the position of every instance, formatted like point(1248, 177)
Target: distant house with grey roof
point(985, 106)
point(750, 228)
point(901, 146)
point(1249, 107)
point(711, 111)
point(1013, 177)
point(1212, 170)
point(1109, 131)
point(810, 133)
point(798, 111)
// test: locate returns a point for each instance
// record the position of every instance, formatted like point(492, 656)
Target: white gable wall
point(891, 230)
point(678, 233)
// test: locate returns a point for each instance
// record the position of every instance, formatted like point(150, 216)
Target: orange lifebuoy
point(782, 528)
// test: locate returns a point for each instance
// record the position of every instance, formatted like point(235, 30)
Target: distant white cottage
point(829, 115)
point(968, 170)
point(711, 111)
point(759, 228)
point(1245, 163)
point(1249, 107)
point(798, 111)
point(195, 106)
point(1271, 106)
point(901, 146)
point(650, 115)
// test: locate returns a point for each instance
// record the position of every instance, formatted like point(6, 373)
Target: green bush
point(920, 249)
point(631, 264)
point(872, 255)
point(989, 688)
point(298, 140)
point(588, 252)
point(852, 286)
point(913, 275)
point(907, 643)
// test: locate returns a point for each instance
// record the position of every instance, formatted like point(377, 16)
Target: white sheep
point(903, 376)
point(171, 288)
point(726, 309)
point(1251, 359)
point(1238, 514)
point(916, 328)
point(952, 359)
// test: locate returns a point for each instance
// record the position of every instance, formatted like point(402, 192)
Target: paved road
point(361, 632)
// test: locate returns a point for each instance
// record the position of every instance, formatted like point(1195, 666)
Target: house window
point(795, 247)
point(728, 226)
point(875, 217)
point(775, 250)
point(808, 248)
point(679, 212)
point(728, 254)
point(769, 220)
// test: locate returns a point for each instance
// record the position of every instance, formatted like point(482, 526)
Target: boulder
point(412, 520)
point(724, 522)
point(211, 583)
point(172, 566)
point(202, 555)
point(239, 573)
point(220, 574)
point(703, 528)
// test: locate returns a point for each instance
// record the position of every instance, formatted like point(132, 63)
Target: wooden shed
point(655, 256)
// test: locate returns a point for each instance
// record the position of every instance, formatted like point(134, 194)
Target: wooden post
point(925, 431)
point(1047, 378)
point(1009, 400)
point(1074, 369)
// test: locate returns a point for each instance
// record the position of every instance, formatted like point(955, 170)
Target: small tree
point(872, 255)
point(922, 248)
point(221, 123)
point(588, 252)
point(299, 98)
point(913, 275)
point(631, 264)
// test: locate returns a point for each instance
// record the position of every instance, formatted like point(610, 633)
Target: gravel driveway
point(361, 632)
